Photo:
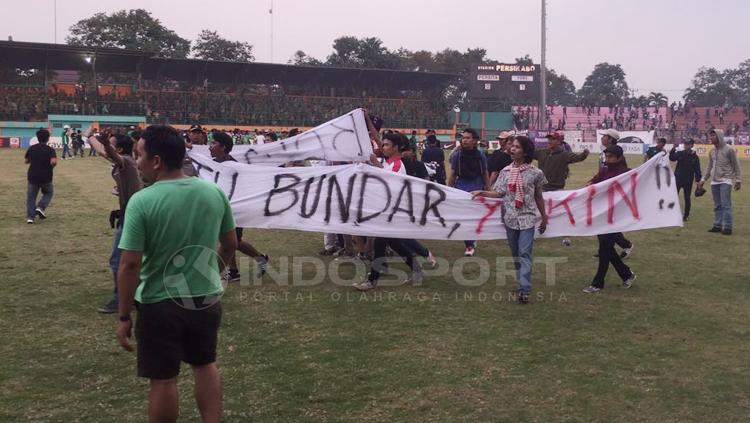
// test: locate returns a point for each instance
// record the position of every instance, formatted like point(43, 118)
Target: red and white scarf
point(515, 182)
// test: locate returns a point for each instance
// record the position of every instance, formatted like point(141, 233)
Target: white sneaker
point(431, 261)
point(39, 212)
point(626, 252)
point(591, 289)
point(30, 221)
point(469, 252)
point(365, 286)
point(261, 265)
point(415, 279)
point(627, 283)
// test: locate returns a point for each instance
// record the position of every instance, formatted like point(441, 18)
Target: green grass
point(675, 347)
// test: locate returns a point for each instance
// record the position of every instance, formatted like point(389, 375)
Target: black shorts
point(238, 231)
point(169, 333)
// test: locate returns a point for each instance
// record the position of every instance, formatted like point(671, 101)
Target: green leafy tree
point(344, 52)
point(362, 53)
point(210, 46)
point(742, 83)
point(711, 87)
point(132, 29)
point(606, 85)
point(300, 58)
point(640, 101)
point(420, 61)
point(657, 99)
point(525, 60)
point(560, 89)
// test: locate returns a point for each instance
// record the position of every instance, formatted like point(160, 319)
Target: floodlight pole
point(55, 11)
point(543, 71)
point(271, 12)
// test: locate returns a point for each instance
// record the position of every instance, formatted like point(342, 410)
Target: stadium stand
point(576, 117)
point(41, 79)
point(698, 120)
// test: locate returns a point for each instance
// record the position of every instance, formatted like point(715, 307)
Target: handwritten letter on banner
point(363, 200)
point(344, 139)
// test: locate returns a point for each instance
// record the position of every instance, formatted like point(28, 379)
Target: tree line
point(606, 85)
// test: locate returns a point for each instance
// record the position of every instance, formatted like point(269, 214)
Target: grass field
point(674, 348)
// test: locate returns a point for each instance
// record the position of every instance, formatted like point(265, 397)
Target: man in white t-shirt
point(259, 137)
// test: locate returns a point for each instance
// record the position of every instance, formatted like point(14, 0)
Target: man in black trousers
point(688, 169)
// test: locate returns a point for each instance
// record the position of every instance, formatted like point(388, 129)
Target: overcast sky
point(659, 43)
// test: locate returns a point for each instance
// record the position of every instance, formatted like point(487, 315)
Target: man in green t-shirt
point(171, 268)
point(66, 142)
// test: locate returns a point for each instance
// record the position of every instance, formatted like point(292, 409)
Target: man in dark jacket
point(688, 169)
point(652, 151)
point(614, 165)
point(413, 166)
point(610, 138)
point(433, 156)
point(499, 159)
point(554, 161)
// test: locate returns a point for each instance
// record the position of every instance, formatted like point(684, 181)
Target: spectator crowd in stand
point(227, 105)
point(678, 121)
point(621, 118)
point(174, 102)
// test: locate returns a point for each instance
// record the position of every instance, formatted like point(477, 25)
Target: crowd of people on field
point(164, 208)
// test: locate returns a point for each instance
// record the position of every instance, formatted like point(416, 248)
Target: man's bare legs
point(208, 392)
point(163, 399)
point(163, 402)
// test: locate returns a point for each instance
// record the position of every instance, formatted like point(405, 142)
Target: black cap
point(614, 149)
point(196, 128)
point(689, 141)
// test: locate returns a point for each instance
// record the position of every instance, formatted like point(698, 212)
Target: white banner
point(344, 139)
point(365, 200)
point(593, 147)
point(573, 136)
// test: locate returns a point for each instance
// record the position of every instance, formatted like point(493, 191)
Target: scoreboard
point(504, 81)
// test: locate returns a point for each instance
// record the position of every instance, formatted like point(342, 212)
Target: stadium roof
point(114, 60)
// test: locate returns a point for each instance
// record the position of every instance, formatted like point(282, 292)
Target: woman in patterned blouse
point(519, 186)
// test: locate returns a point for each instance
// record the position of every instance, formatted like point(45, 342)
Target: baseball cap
point(66, 126)
point(505, 134)
point(195, 128)
point(616, 150)
point(557, 135)
point(689, 141)
point(612, 133)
